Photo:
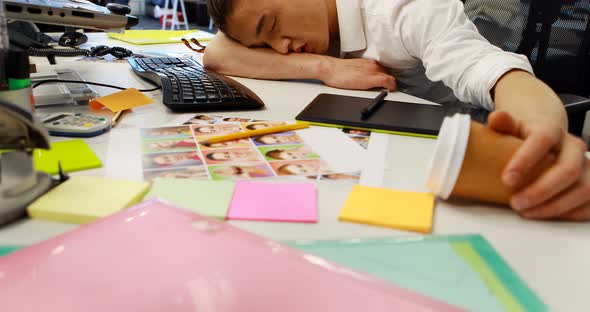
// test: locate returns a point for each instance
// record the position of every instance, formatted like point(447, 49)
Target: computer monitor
point(75, 13)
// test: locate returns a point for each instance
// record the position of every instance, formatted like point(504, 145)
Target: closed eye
point(274, 24)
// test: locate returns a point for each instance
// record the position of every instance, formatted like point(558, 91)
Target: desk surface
point(553, 258)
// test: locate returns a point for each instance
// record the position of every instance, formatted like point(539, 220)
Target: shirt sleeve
point(452, 50)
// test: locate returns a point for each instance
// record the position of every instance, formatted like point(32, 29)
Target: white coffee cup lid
point(448, 156)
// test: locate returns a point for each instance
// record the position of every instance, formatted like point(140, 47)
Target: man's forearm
point(226, 56)
point(526, 98)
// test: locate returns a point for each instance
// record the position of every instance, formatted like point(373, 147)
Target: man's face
point(285, 26)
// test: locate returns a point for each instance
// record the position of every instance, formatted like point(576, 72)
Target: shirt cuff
point(491, 68)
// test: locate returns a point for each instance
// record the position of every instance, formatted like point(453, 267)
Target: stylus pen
point(117, 118)
point(374, 105)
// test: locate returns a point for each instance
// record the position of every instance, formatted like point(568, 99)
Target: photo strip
point(177, 152)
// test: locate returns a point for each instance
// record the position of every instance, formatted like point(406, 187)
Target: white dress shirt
point(424, 43)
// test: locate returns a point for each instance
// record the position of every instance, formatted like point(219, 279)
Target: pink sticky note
point(267, 201)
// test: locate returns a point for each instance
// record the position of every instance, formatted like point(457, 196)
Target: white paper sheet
point(340, 152)
point(375, 164)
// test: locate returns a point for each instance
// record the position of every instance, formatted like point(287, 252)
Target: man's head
point(285, 26)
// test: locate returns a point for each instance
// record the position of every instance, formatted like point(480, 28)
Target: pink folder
point(156, 257)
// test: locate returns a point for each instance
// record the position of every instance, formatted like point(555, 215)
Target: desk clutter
point(168, 266)
point(180, 151)
point(83, 199)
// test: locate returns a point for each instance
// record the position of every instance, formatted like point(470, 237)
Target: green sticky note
point(74, 155)
point(85, 199)
point(209, 198)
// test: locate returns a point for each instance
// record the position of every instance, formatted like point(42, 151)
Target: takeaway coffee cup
point(469, 159)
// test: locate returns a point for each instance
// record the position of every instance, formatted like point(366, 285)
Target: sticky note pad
point(121, 100)
point(209, 198)
point(74, 155)
point(268, 201)
point(84, 199)
point(389, 208)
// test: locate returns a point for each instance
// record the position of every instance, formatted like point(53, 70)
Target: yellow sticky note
point(74, 155)
point(389, 208)
point(122, 100)
point(85, 199)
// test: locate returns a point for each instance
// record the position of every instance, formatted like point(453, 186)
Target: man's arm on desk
point(226, 56)
point(536, 115)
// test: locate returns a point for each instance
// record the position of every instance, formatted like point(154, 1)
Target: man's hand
point(563, 190)
point(357, 74)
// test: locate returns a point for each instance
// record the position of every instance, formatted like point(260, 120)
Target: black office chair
point(553, 34)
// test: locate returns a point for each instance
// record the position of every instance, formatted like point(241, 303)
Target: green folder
point(4, 250)
point(462, 270)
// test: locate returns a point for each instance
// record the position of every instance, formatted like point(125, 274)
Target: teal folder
point(463, 270)
point(4, 250)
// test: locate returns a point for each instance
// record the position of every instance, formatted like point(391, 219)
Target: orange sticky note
point(121, 100)
point(389, 208)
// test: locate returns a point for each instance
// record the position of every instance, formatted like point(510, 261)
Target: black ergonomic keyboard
point(188, 86)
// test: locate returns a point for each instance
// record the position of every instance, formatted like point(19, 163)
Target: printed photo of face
point(297, 167)
point(195, 173)
point(289, 152)
point(240, 171)
point(224, 156)
point(357, 132)
point(236, 119)
point(353, 176)
point(278, 139)
point(166, 132)
point(263, 125)
point(169, 145)
point(171, 160)
point(241, 143)
point(361, 140)
point(214, 130)
point(202, 120)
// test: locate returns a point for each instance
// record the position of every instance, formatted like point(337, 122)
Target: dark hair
point(218, 11)
point(274, 153)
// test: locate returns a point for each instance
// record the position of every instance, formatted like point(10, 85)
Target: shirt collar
point(350, 22)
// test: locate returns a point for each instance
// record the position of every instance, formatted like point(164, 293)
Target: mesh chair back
point(553, 34)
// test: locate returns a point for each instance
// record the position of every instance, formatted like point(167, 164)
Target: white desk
point(553, 258)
